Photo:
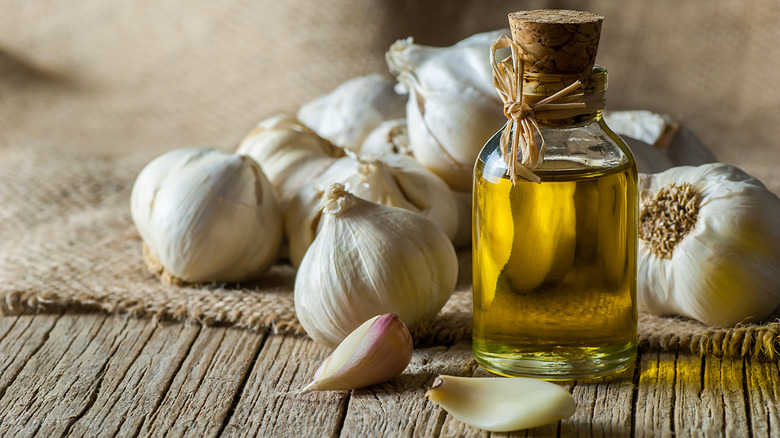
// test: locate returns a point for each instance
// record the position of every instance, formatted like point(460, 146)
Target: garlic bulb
point(709, 245)
point(395, 180)
point(649, 159)
point(679, 144)
point(206, 215)
point(289, 153)
point(390, 137)
point(453, 108)
point(502, 404)
point(346, 115)
point(378, 350)
point(370, 259)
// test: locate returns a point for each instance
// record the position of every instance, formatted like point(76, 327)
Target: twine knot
point(519, 130)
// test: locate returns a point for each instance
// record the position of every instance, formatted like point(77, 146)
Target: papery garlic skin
point(726, 269)
point(207, 215)
point(370, 259)
point(453, 107)
point(502, 404)
point(679, 145)
point(391, 137)
point(346, 115)
point(289, 153)
point(649, 159)
point(394, 180)
point(376, 351)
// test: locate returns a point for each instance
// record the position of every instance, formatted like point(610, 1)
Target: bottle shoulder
point(589, 149)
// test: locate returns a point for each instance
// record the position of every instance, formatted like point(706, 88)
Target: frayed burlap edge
point(452, 325)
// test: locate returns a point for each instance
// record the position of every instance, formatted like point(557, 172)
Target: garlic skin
point(678, 144)
point(649, 159)
point(453, 107)
point(206, 215)
point(709, 245)
point(346, 115)
point(395, 180)
point(376, 351)
point(502, 404)
point(289, 153)
point(391, 137)
point(370, 259)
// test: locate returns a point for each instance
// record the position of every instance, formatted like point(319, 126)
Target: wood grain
point(96, 375)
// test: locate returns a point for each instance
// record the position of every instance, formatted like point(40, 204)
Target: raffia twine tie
point(519, 131)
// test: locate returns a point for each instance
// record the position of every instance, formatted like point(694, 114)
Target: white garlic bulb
point(679, 144)
point(369, 259)
point(453, 108)
point(649, 159)
point(395, 180)
point(206, 215)
point(390, 137)
point(289, 153)
point(709, 245)
point(346, 115)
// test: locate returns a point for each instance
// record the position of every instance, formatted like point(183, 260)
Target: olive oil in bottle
point(555, 261)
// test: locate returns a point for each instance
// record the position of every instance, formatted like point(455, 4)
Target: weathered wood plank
point(23, 339)
point(404, 395)
point(604, 409)
point(137, 378)
point(763, 398)
point(201, 395)
point(724, 379)
point(654, 408)
point(268, 407)
point(55, 384)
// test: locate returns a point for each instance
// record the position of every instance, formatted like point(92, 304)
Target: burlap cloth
point(91, 91)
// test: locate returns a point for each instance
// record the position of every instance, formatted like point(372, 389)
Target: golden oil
point(555, 262)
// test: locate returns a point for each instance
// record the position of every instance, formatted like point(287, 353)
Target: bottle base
point(562, 363)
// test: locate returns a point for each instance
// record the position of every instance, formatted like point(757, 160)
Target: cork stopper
point(557, 41)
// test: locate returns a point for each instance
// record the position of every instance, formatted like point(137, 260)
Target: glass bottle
point(555, 262)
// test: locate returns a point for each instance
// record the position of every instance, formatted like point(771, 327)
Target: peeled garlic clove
point(395, 180)
point(206, 215)
point(453, 108)
point(502, 404)
point(377, 351)
point(289, 153)
point(349, 113)
point(370, 259)
point(709, 245)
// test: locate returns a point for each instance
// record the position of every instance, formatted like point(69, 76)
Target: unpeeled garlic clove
point(376, 351)
point(502, 404)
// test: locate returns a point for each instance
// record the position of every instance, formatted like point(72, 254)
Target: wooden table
point(91, 374)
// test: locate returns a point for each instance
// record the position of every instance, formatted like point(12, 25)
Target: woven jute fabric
point(90, 93)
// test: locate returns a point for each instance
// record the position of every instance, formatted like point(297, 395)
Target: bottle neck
point(587, 100)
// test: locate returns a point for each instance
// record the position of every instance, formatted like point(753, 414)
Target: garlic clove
point(378, 350)
point(502, 404)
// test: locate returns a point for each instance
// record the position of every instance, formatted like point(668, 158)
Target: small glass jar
point(555, 262)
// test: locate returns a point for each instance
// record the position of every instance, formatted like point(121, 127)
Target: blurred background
point(107, 76)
